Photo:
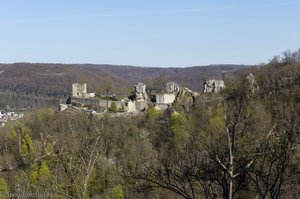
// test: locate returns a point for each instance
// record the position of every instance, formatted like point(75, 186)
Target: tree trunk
point(231, 168)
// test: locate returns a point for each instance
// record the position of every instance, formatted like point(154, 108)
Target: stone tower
point(79, 89)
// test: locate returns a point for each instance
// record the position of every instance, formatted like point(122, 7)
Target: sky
point(165, 33)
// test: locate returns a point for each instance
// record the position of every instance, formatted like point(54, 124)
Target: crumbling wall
point(131, 107)
point(165, 98)
point(97, 103)
point(172, 87)
point(213, 86)
point(140, 92)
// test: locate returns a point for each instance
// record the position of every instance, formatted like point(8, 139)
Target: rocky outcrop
point(185, 98)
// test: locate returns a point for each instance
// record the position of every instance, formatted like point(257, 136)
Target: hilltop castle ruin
point(141, 98)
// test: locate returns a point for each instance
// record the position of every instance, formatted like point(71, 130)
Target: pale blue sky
point(148, 33)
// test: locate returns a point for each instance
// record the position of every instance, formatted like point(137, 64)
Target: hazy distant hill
point(29, 85)
point(189, 76)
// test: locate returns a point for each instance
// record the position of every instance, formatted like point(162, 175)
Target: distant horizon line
point(129, 65)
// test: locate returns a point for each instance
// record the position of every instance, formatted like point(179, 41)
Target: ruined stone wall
point(140, 92)
point(213, 86)
point(96, 102)
point(165, 98)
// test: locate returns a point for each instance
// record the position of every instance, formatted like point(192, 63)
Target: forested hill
point(240, 143)
point(190, 77)
point(26, 85)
